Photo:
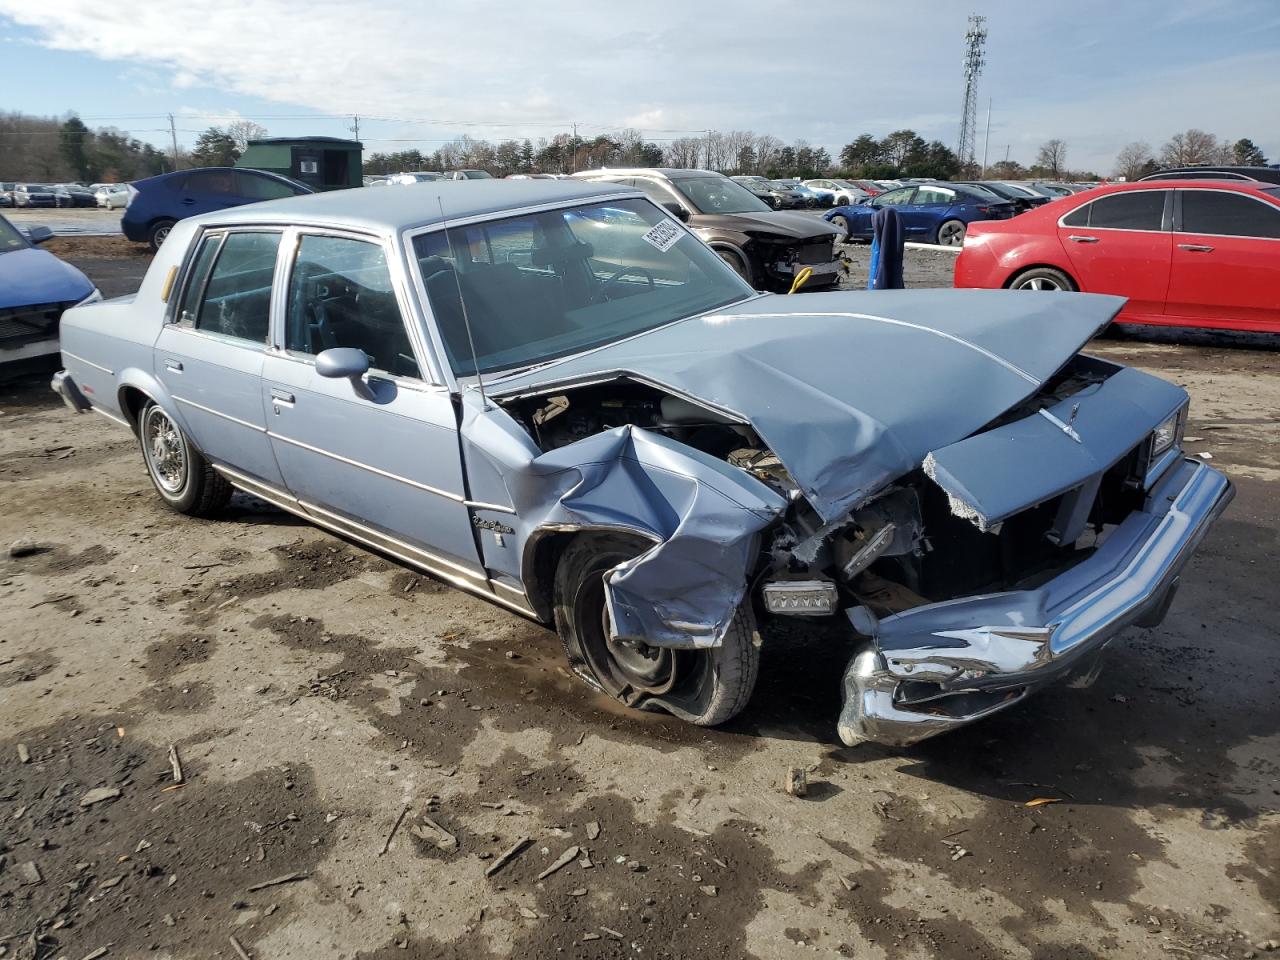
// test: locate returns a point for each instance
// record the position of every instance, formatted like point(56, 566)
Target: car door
point(209, 353)
point(1226, 260)
point(928, 208)
point(203, 191)
point(1121, 244)
point(859, 215)
point(377, 457)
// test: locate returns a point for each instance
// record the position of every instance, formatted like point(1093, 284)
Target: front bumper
point(937, 667)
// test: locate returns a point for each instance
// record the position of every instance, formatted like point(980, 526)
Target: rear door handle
point(1196, 247)
point(172, 364)
point(281, 396)
point(1075, 238)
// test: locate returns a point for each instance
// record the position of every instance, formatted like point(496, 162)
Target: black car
point(74, 195)
point(1023, 200)
point(1262, 174)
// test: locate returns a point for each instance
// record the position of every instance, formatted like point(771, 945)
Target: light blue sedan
point(554, 395)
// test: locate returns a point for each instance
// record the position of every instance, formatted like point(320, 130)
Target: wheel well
point(541, 562)
point(131, 401)
point(1008, 281)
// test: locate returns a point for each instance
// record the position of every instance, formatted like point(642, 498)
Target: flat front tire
point(705, 687)
point(182, 476)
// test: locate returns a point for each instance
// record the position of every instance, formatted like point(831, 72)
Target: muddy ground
point(367, 742)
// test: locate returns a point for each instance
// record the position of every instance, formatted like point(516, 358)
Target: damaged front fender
point(703, 515)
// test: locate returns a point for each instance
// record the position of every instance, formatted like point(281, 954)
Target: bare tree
point(685, 153)
point(739, 146)
point(1189, 149)
point(242, 131)
point(767, 147)
point(1052, 156)
point(1132, 160)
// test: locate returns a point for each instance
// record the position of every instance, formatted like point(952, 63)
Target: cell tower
point(975, 39)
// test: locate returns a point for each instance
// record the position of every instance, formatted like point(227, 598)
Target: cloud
point(1098, 75)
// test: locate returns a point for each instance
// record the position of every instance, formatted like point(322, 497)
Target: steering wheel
point(605, 287)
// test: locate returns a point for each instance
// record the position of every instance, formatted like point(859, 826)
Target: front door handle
point(1196, 247)
point(1076, 238)
point(281, 396)
point(172, 364)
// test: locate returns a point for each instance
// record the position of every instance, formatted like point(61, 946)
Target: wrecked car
point(554, 395)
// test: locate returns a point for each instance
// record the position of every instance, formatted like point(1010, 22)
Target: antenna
point(466, 320)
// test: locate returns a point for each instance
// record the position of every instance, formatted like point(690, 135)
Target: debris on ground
point(98, 794)
point(563, 860)
point(797, 782)
point(508, 855)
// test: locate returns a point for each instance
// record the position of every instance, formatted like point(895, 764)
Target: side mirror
point(39, 234)
point(677, 210)
point(342, 363)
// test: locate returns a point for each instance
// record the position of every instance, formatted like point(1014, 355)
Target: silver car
point(562, 400)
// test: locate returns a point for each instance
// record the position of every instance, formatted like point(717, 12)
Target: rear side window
point(208, 181)
point(1135, 210)
point(1222, 214)
point(237, 296)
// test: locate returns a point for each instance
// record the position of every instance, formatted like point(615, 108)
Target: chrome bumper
point(938, 667)
point(66, 388)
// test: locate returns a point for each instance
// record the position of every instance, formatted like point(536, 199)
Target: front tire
point(1043, 278)
point(185, 480)
point(704, 687)
point(951, 233)
point(842, 224)
point(739, 265)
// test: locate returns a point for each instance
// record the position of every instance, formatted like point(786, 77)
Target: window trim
point(1177, 219)
point(1166, 216)
point(427, 373)
point(172, 316)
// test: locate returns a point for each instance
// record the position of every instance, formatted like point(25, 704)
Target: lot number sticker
point(663, 235)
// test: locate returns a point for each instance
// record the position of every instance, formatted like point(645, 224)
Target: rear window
point(1221, 214)
point(1134, 210)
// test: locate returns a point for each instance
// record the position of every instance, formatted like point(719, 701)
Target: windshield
point(547, 285)
point(10, 238)
point(719, 195)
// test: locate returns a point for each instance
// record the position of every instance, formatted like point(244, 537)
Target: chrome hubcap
point(162, 235)
point(1038, 283)
point(166, 451)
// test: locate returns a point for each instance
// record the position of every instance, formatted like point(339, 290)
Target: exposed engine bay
point(905, 547)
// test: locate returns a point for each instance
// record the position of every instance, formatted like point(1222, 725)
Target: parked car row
point(934, 212)
point(427, 176)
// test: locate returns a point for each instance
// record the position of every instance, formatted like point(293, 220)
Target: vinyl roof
point(396, 207)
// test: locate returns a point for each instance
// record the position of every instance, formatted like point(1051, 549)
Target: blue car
point(159, 202)
point(35, 287)
point(931, 212)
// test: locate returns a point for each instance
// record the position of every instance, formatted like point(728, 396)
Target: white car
point(112, 196)
point(420, 176)
point(843, 193)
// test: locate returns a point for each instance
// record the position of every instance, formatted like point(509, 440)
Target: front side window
point(719, 195)
point(895, 198)
point(1132, 210)
point(264, 188)
point(1221, 214)
point(235, 299)
point(935, 196)
point(341, 295)
point(208, 181)
point(538, 287)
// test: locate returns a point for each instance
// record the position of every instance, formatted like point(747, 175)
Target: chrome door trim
point(218, 413)
point(480, 505)
point(457, 498)
point(111, 416)
point(88, 363)
point(266, 491)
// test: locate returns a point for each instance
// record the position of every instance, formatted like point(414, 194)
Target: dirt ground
point(360, 745)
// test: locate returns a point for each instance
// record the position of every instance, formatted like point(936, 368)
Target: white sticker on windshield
point(663, 234)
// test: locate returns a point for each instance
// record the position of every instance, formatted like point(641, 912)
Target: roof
point(394, 208)
point(1208, 180)
point(331, 140)
point(671, 173)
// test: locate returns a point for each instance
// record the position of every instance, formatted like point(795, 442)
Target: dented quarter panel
point(852, 389)
point(702, 515)
point(991, 476)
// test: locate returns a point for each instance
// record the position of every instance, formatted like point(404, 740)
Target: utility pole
point(173, 135)
point(355, 127)
point(975, 40)
point(987, 140)
point(574, 147)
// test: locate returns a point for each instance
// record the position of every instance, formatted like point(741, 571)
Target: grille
point(816, 252)
point(29, 324)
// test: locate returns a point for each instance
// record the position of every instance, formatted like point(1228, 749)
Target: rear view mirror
point(39, 234)
point(676, 210)
point(342, 363)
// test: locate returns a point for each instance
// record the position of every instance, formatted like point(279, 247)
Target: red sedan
point(1202, 253)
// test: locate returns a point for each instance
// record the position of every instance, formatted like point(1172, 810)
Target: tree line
point(60, 151)
point(1187, 149)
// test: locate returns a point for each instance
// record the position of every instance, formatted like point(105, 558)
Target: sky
point(1095, 73)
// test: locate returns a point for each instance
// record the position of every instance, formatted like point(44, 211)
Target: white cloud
point(494, 70)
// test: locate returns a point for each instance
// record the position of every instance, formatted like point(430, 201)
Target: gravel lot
point(373, 741)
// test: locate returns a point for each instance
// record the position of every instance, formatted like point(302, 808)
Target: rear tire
point(1044, 279)
point(185, 480)
point(158, 232)
point(704, 687)
point(951, 233)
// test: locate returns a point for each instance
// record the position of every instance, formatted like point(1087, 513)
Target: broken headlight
point(1169, 433)
point(801, 598)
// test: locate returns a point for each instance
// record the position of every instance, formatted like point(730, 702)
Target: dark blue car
point(930, 212)
point(160, 202)
point(35, 287)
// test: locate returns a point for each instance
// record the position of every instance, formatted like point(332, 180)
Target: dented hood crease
point(852, 389)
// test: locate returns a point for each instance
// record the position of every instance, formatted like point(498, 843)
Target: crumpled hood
point(31, 276)
point(853, 389)
point(796, 226)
